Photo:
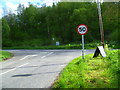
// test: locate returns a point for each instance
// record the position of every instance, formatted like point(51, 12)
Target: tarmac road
point(35, 68)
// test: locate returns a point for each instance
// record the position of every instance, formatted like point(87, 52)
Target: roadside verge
point(5, 55)
point(91, 72)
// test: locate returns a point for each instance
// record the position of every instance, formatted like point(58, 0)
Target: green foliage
point(38, 44)
point(59, 21)
point(5, 28)
point(115, 35)
point(110, 20)
point(113, 62)
point(91, 72)
point(114, 44)
point(5, 55)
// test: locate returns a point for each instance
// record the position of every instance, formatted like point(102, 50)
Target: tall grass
point(91, 72)
point(5, 55)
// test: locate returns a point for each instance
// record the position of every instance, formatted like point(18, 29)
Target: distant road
point(35, 68)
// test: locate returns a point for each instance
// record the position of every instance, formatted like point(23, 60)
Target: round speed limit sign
point(82, 29)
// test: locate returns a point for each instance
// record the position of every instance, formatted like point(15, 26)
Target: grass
point(67, 46)
point(91, 72)
point(36, 45)
point(5, 55)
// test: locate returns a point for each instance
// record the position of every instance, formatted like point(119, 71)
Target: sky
point(13, 4)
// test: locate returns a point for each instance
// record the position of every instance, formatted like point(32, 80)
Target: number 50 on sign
point(82, 29)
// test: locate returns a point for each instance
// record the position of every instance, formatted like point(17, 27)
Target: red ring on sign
point(82, 25)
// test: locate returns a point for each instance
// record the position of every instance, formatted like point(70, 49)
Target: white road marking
point(20, 65)
point(14, 69)
point(8, 71)
point(28, 56)
point(26, 63)
point(47, 55)
point(23, 65)
point(43, 56)
point(32, 55)
point(23, 58)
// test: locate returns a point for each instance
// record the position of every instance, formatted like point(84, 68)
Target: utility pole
point(100, 22)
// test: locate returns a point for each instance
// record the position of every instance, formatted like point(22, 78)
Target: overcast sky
point(13, 4)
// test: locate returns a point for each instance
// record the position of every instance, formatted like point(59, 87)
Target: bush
point(5, 55)
point(113, 63)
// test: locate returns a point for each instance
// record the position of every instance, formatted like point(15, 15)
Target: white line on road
point(23, 58)
point(8, 71)
point(43, 56)
point(47, 55)
point(23, 65)
point(28, 56)
point(32, 55)
point(20, 65)
point(14, 68)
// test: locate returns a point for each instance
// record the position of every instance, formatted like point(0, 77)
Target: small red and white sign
point(82, 29)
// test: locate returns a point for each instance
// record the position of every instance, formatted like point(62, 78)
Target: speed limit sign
point(82, 29)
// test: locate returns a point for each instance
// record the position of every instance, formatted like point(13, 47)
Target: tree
point(5, 32)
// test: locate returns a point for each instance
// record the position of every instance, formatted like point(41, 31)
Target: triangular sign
point(100, 50)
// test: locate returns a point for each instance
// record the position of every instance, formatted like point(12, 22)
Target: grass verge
point(36, 44)
point(91, 72)
point(67, 46)
point(5, 55)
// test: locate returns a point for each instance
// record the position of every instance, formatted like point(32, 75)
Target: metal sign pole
point(82, 29)
point(82, 46)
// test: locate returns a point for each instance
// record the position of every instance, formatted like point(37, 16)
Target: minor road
point(35, 68)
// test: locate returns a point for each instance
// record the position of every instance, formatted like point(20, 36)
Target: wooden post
point(101, 24)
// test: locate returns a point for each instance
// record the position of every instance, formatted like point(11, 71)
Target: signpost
point(82, 29)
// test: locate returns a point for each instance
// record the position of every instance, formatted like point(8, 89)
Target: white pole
point(82, 46)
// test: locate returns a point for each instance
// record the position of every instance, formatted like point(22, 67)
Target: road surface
point(35, 68)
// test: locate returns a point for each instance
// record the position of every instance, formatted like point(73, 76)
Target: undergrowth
point(91, 72)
